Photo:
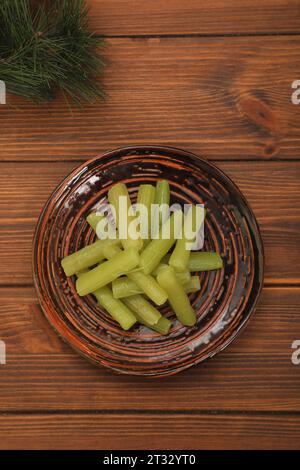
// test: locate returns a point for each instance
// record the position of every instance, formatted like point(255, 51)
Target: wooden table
point(213, 77)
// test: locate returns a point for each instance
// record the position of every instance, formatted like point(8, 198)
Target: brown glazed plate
point(227, 297)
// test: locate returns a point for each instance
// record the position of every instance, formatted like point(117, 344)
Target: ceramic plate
point(227, 297)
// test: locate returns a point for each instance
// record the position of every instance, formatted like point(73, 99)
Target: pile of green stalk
point(130, 278)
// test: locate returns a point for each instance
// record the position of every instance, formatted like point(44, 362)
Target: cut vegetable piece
point(145, 312)
point(115, 307)
point(86, 257)
point(118, 197)
point(183, 277)
point(193, 285)
point(114, 194)
point(162, 192)
point(192, 223)
point(107, 272)
point(178, 299)
point(149, 286)
point(102, 226)
point(111, 251)
point(180, 256)
point(124, 287)
point(158, 248)
point(162, 198)
point(145, 282)
point(146, 197)
point(162, 326)
point(93, 219)
point(204, 261)
point(158, 269)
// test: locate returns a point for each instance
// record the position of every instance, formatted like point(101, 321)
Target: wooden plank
point(269, 187)
point(226, 98)
point(144, 431)
point(133, 17)
point(254, 373)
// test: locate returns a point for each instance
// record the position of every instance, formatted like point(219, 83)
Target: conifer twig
point(46, 47)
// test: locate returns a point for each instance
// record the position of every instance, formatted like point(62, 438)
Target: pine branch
point(46, 47)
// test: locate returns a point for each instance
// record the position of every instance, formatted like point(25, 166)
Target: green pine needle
point(46, 47)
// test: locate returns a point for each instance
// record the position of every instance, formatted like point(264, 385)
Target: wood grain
point(133, 17)
point(271, 188)
point(254, 374)
point(225, 98)
point(143, 431)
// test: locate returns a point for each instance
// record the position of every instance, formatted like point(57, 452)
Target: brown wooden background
point(213, 77)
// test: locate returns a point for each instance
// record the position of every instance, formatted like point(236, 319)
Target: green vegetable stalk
point(108, 271)
point(178, 299)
